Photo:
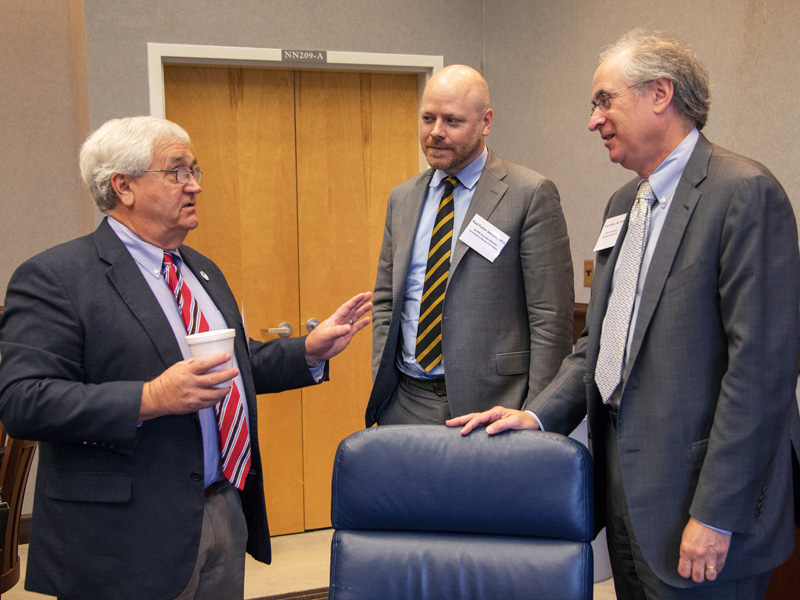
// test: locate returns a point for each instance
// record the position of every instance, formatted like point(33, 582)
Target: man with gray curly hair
point(150, 481)
point(688, 363)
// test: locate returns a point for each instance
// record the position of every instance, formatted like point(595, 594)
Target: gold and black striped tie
point(429, 329)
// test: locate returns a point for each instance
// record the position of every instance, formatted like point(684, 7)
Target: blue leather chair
point(423, 513)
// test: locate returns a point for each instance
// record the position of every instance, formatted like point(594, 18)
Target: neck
point(150, 234)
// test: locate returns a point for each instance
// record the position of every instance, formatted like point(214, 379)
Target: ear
point(121, 185)
point(662, 90)
point(487, 121)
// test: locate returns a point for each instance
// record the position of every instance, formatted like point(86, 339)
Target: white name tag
point(483, 237)
point(611, 228)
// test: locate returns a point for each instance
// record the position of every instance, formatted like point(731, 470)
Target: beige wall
point(538, 56)
point(44, 115)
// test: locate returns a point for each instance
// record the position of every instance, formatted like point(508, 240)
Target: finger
point(213, 395)
point(456, 421)
point(360, 324)
point(206, 363)
point(712, 565)
point(513, 419)
point(355, 301)
point(698, 571)
point(474, 420)
point(217, 378)
point(362, 310)
point(470, 426)
point(504, 424)
point(685, 568)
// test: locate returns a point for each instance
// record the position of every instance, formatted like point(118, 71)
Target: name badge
point(483, 237)
point(610, 233)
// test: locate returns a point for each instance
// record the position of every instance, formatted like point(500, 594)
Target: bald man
point(473, 296)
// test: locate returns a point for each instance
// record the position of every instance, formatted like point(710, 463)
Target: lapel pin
point(203, 275)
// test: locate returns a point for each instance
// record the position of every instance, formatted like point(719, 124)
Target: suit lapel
point(680, 212)
point(488, 192)
point(124, 274)
point(620, 204)
point(406, 223)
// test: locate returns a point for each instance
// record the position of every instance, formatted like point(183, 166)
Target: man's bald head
point(465, 81)
point(455, 117)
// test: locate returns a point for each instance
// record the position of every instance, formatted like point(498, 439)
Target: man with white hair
point(688, 363)
point(149, 482)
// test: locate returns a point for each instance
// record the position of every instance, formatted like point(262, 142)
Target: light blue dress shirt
point(409, 318)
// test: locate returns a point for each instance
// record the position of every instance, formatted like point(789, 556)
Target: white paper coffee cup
point(212, 342)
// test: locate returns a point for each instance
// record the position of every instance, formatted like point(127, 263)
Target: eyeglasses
point(181, 173)
point(603, 99)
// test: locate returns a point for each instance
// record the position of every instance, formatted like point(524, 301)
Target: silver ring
point(711, 568)
point(351, 321)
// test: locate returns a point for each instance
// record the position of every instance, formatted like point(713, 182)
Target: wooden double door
point(297, 168)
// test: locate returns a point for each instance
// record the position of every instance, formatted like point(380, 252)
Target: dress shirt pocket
point(88, 487)
point(513, 363)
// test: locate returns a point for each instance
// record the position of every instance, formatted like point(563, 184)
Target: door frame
point(425, 65)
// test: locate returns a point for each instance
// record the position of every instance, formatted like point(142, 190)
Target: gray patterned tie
point(614, 336)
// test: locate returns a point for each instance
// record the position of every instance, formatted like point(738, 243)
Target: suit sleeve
point(280, 365)
point(547, 274)
point(44, 395)
point(382, 298)
point(759, 275)
point(563, 403)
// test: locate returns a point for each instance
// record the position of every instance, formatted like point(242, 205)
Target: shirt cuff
point(533, 414)
point(318, 370)
point(717, 529)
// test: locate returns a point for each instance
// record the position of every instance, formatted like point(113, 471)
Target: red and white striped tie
point(234, 436)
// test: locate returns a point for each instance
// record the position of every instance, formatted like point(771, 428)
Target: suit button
point(196, 477)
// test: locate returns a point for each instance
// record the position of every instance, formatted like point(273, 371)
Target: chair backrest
point(14, 472)
point(421, 512)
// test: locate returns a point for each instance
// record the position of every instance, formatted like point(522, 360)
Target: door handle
point(311, 325)
point(283, 330)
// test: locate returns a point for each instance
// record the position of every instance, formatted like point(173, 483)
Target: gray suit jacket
point(708, 397)
point(119, 506)
point(507, 324)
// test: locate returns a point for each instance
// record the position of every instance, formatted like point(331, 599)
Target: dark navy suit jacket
point(118, 505)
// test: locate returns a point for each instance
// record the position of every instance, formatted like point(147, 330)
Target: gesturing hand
point(333, 334)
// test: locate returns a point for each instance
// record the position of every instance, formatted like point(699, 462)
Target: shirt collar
point(468, 176)
point(666, 177)
point(150, 257)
